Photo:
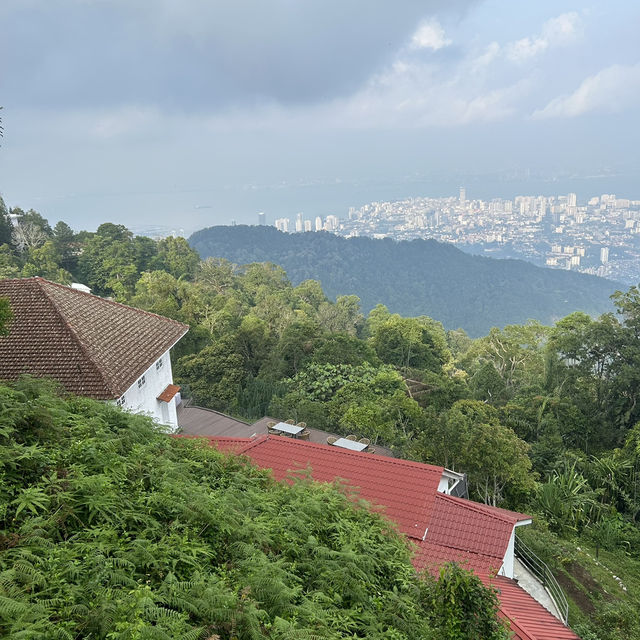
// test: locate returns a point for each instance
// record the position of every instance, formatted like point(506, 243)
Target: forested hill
point(419, 277)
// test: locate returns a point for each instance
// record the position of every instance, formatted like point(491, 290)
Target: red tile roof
point(94, 347)
point(432, 556)
point(227, 445)
point(168, 394)
point(404, 488)
point(529, 620)
point(472, 534)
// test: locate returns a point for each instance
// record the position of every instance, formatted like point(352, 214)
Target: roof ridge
point(106, 300)
point(74, 335)
point(357, 454)
point(480, 508)
point(254, 441)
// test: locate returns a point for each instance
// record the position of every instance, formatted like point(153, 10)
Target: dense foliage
point(111, 529)
point(415, 277)
point(543, 419)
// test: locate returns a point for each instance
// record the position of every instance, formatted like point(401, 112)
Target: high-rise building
point(331, 223)
point(604, 255)
point(318, 223)
point(572, 200)
point(299, 222)
point(262, 218)
point(463, 195)
point(307, 225)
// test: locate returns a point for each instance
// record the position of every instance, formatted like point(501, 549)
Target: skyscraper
point(463, 195)
point(262, 219)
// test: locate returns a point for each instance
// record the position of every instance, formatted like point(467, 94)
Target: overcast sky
point(187, 113)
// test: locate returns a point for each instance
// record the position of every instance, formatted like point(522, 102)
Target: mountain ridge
point(415, 277)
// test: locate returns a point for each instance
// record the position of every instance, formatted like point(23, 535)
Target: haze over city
point(189, 114)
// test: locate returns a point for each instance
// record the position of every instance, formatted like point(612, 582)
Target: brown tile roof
point(168, 393)
point(94, 347)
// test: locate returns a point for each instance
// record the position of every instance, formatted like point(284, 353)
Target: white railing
point(542, 572)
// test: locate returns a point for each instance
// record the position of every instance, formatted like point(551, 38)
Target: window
point(159, 364)
point(120, 401)
point(141, 382)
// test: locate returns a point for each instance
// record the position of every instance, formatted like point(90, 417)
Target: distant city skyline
point(195, 113)
point(599, 236)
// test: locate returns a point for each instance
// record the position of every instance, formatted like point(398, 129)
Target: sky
point(182, 114)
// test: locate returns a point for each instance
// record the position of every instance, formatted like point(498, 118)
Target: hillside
point(111, 529)
point(421, 277)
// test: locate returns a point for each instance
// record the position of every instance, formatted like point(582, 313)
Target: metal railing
point(542, 572)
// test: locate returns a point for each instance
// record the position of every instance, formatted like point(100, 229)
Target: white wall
point(449, 480)
point(143, 398)
point(509, 556)
point(507, 565)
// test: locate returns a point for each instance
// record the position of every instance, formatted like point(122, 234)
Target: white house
point(94, 347)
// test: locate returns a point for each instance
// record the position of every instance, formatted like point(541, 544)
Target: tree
point(108, 261)
point(506, 361)
point(341, 348)
point(66, 246)
point(6, 226)
point(264, 278)
point(461, 607)
point(213, 375)
point(144, 251)
point(342, 317)
point(44, 261)
point(177, 257)
point(410, 342)
point(471, 439)
point(218, 274)
point(296, 346)
point(594, 361)
point(254, 342)
point(9, 264)
point(310, 293)
point(31, 230)
point(157, 291)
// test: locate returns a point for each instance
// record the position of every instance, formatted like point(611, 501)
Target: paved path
point(533, 587)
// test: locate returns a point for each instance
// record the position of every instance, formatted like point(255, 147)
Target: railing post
point(542, 572)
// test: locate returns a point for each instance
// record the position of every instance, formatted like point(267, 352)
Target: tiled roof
point(466, 532)
point(529, 620)
point(472, 534)
point(168, 394)
point(432, 556)
point(93, 347)
point(404, 488)
point(227, 445)
point(463, 524)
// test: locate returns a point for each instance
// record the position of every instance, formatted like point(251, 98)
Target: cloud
point(429, 35)
point(612, 90)
point(559, 31)
point(198, 55)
